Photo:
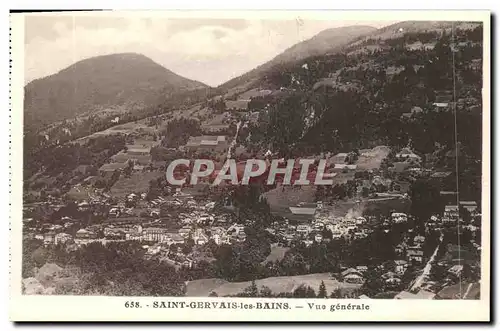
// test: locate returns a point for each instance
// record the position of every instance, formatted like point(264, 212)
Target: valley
point(379, 105)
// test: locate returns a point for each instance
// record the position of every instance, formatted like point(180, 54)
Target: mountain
point(409, 30)
point(401, 28)
point(325, 42)
point(380, 90)
point(129, 80)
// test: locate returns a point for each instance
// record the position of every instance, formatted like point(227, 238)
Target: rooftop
point(112, 166)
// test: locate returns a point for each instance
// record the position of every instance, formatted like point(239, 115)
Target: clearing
point(137, 183)
point(277, 254)
point(203, 287)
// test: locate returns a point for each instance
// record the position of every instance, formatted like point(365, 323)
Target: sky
point(211, 51)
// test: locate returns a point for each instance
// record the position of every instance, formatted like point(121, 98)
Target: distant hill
point(399, 29)
point(325, 42)
point(128, 79)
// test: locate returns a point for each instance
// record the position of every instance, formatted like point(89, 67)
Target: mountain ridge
point(328, 40)
point(123, 79)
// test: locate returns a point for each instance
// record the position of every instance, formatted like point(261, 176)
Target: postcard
point(250, 166)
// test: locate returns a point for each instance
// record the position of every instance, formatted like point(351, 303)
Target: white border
point(61, 307)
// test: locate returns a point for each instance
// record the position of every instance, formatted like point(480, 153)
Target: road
point(233, 143)
point(425, 274)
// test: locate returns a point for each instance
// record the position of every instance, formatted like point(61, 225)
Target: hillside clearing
point(203, 287)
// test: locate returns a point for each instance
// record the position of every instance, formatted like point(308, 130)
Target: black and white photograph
point(277, 158)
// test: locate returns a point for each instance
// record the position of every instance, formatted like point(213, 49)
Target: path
point(425, 274)
point(233, 143)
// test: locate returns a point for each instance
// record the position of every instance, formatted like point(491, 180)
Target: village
point(178, 219)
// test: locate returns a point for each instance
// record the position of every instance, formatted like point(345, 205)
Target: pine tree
point(252, 291)
point(265, 292)
point(322, 290)
point(336, 294)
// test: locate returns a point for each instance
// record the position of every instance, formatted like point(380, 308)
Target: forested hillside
point(390, 94)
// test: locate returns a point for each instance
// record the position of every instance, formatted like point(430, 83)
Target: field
point(137, 183)
point(126, 128)
point(282, 197)
point(341, 208)
point(277, 254)
point(388, 205)
point(371, 159)
point(80, 192)
point(203, 287)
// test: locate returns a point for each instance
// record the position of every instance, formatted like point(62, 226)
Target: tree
point(252, 291)
point(304, 292)
point(265, 292)
point(322, 290)
point(336, 294)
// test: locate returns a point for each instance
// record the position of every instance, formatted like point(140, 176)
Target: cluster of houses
point(196, 225)
point(412, 251)
point(349, 227)
point(452, 217)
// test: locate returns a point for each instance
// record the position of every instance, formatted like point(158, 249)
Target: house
point(337, 234)
point(83, 206)
point(399, 217)
point(318, 238)
point(391, 279)
point(419, 240)
point(422, 294)
point(476, 64)
point(62, 238)
point(408, 155)
point(85, 234)
point(360, 220)
point(137, 150)
point(415, 254)
point(207, 144)
point(303, 229)
point(237, 228)
point(360, 234)
point(174, 238)
point(188, 263)
point(115, 212)
point(441, 174)
point(400, 266)
point(49, 238)
point(185, 231)
point(240, 104)
point(154, 212)
point(440, 105)
point(217, 238)
point(199, 237)
point(471, 206)
point(362, 268)
point(109, 168)
point(456, 270)
point(344, 167)
point(154, 234)
point(352, 276)
point(241, 237)
point(450, 214)
point(339, 158)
